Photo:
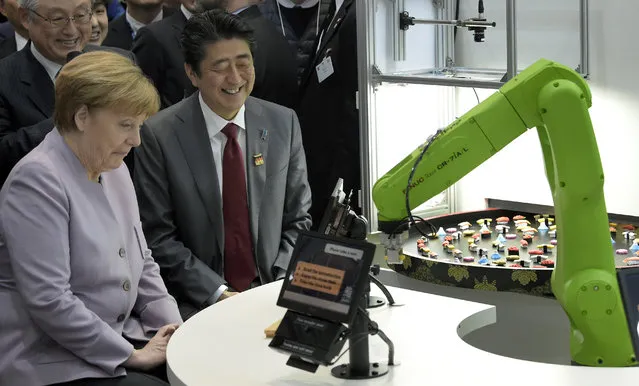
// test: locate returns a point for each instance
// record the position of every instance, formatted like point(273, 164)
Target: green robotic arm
point(554, 99)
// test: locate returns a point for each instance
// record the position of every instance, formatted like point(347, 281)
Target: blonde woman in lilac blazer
point(81, 298)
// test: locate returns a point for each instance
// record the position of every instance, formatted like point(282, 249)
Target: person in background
point(57, 28)
point(221, 176)
point(157, 48)
point(275, 77)
point(13, 35)
point(139, 13)
point(86, 297)
point(300, 22)
point(328, 110)
point(114, 9)
point(99, 22)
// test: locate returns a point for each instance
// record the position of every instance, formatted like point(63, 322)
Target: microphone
point(72, 55)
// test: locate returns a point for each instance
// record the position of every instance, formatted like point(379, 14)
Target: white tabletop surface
point(225, 345)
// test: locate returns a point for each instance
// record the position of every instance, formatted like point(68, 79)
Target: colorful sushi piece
point(464, 225)
point(502, 220)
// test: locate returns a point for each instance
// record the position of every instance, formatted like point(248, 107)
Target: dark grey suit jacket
point(157, 49)
point(181, 205)
point(120, 34)
point(7, 40)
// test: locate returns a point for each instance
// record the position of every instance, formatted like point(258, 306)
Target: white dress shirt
point(214, 125)
point(20, 41)
point(136, 25)
point(305, 4)
point(338, 5)
point(237, 11)
point(51, 67)
point(187, 14)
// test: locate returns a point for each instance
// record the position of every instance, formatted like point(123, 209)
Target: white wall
point(401, 123)
point(420, 47)
point(549, 28)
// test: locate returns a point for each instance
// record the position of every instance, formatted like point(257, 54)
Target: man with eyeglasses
point(56, 29)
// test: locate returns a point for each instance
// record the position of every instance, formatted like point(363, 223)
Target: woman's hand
point(154, 353)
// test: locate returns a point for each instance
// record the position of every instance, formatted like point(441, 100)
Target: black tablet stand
point(359, 366)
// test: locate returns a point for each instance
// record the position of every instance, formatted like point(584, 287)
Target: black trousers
point(153, 377)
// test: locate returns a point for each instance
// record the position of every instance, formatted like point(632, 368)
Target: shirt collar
point(215, 123)
point(187, 14)
point(20, 41)
point(51, 67)
point(305, 4)
point(237, 11)
point(136, 25)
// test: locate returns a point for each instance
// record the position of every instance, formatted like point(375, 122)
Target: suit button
point(122, 253)
point(121, 318)
point(126, 285)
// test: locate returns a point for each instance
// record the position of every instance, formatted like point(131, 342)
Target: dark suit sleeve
point(148, 52)
point(298, 198)
point(186, 276)
point(15, 145)
point(5, 117)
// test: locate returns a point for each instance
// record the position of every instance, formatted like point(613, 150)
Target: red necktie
point(239, 265)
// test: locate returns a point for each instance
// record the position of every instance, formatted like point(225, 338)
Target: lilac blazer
point(76, 276)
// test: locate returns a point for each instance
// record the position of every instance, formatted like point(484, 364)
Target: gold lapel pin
point(258, 159)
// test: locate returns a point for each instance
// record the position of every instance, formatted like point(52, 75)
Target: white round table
point(225, 345)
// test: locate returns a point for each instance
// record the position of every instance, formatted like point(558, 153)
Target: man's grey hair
point(28, 4)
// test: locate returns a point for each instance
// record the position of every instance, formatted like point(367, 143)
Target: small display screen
point(326, 276)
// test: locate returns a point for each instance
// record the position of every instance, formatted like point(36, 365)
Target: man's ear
point(81, 118)
point(25, 17)
point(195, 79)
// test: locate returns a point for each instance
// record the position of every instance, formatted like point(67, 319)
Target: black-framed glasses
point(59, 22)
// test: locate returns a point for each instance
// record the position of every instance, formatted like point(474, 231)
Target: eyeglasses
point(59, 22)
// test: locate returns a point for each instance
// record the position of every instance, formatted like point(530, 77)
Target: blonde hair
point(102, 79)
